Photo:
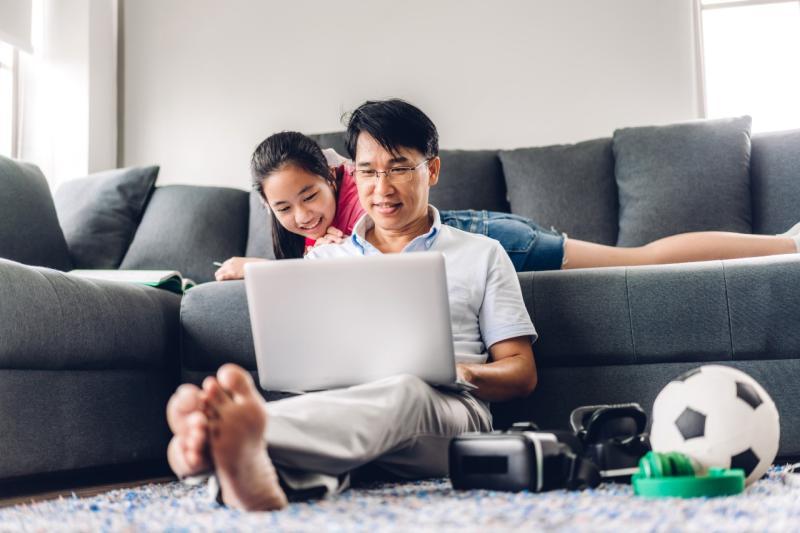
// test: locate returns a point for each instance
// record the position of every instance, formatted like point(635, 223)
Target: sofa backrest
point(571, 187)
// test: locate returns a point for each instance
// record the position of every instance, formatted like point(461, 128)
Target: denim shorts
point(530, 246)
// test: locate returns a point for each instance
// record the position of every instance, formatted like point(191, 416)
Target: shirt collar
point(420, 243)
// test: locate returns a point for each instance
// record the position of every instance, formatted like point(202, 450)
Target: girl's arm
point(233, 268)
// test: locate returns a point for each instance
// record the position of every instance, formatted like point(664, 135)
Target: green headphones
point(672, 475)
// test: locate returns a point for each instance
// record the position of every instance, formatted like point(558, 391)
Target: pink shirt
point(348, 208)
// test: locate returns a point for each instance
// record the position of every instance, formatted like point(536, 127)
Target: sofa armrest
point(742, 309)
point(50, 320)
point(215, 327)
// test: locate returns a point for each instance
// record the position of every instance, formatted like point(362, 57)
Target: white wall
point(205, 80)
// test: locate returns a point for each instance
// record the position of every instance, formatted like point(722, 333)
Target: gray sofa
point(86, 366)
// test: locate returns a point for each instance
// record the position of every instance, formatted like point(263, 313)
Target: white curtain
point(68, 89)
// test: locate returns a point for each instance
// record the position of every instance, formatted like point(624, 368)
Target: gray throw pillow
point(683, 177)
point(569, 187)
point(188, 227)
point(29, 230)
point(775, 171)
point(470, 179)
point(100, 213)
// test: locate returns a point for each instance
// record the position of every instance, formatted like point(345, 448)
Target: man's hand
point(332, 236)
point(233, 268)
point(510, 374)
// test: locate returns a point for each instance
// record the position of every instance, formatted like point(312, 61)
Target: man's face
point(394, 205)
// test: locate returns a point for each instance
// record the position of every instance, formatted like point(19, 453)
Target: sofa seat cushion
point(737, 309)
point(187, 228)
point(683, 177)
point(775, 174)
point(54, 321)
point(569, 187)
point(100, 213)
point(29, 230)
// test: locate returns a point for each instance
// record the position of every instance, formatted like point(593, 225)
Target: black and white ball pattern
point(720, 417)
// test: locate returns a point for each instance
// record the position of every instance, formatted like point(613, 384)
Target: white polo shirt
point(486, 303)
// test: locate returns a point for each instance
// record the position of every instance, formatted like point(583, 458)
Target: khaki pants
point(401, 424)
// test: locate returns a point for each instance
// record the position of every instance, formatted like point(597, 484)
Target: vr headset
point(606, 443)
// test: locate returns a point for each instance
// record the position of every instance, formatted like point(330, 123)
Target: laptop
point(329, 323)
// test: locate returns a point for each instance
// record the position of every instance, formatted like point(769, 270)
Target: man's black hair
point(393, 124)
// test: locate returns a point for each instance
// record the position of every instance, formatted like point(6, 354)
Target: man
point(401, 423)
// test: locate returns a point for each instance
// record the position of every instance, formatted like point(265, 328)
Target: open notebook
point(170, 280)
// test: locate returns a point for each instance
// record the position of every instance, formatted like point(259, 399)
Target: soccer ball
point(719, 417)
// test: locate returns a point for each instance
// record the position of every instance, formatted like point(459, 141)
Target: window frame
point(14, 68)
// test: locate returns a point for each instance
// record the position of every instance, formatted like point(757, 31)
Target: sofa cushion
point(683, 177)
point(99, 214)
point(29, 230)
point(259, 234)
point(569, 187)
point(470, 179)
point(775, 174)
point(50, 320)
point(187, 228)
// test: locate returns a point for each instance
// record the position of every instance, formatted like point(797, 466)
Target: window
point(750, 52)
point(7, 100)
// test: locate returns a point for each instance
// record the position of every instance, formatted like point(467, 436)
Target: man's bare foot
point(237, 421)
point(188, 450)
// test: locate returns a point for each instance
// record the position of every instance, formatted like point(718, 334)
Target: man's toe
point(237, 381)
point(215, 395)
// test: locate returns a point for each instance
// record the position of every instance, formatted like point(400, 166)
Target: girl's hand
point(233, 268)
point(332, 236)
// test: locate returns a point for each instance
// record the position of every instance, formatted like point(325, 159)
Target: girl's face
point(303, 203)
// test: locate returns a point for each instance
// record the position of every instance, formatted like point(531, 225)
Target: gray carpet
point(772, 504)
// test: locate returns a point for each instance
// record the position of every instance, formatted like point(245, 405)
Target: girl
point(314, 201)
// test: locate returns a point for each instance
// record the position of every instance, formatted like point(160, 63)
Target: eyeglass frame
point(387, 173)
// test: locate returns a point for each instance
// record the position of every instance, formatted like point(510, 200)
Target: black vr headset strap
point(583, 474)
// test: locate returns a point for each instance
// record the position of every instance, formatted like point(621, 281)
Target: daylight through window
point(751, 57)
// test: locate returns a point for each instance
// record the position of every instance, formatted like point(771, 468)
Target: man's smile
point(387, 208)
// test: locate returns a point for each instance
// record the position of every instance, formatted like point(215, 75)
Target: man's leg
point(316, 439)
point(400, 421)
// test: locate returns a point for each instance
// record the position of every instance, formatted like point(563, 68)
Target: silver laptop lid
point(327, 323)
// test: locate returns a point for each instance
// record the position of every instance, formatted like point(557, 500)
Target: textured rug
point(772, 504)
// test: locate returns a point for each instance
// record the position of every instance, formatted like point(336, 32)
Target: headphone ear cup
point(657, 465)
point(680, 464)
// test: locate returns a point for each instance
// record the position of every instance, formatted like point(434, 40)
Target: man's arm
point(511, 374)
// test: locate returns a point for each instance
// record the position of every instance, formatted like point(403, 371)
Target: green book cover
point(170, 280)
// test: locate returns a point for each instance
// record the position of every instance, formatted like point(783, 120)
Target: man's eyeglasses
point(393, 175)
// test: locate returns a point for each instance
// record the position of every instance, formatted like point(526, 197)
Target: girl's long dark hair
point(276, 151)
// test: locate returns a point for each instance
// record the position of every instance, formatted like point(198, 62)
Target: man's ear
point(433, 171)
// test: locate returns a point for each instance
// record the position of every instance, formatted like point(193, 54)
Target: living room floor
point(771, 504)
